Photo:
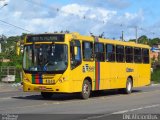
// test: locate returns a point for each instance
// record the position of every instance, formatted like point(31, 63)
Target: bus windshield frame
point(45, 58)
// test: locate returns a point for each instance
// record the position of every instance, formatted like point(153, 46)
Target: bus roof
point(76, 35)
point(109, 41)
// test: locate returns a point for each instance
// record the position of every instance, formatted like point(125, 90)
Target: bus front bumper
point(59, 88)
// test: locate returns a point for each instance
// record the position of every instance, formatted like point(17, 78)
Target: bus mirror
point(75, 50)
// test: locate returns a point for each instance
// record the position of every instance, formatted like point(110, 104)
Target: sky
point(110, 17)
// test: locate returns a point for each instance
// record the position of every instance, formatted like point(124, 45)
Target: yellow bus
point(74, 63)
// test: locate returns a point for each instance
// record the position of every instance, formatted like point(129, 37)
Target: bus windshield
point(45, 57)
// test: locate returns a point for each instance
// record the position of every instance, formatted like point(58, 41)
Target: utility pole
point(122, 35)
point(136, 30)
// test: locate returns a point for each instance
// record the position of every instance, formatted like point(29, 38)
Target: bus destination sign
point(45, 38)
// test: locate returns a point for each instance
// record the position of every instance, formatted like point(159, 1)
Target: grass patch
point(155, 76)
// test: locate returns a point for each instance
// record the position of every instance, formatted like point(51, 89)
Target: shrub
point(155, 76)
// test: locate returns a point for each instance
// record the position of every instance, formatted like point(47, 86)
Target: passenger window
point(137, 55)
point(75, 53)
point(129, 54)
point(145, 55)
point(99, 52)
point(110, 53)
point(120, 53)
point(87, 51)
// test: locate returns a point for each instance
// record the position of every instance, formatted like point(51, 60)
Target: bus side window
point(110, 53)
point(87, 51)
point(99, 52)
point(75, 58)
point(120, 53)
point(129, 54)
point(145, 55)
point(137, 55)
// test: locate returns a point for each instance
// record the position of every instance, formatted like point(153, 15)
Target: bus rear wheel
point(129, 86)
point(46, 95)
point(86, 89)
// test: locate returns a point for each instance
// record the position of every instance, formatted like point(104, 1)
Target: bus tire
point(46, 95)
point(86, 89)
point(129, 85)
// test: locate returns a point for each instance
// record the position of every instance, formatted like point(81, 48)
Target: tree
point(132, 40)
point(23, 36)
point(143, 39)
point(154, 41)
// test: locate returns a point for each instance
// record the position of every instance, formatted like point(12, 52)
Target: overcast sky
point(83, 16)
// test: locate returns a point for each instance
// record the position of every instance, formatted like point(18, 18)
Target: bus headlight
point(62, 79)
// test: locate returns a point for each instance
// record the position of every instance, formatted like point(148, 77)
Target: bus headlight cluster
point(62, 79)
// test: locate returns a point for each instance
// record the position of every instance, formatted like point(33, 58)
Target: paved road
point(100, 106)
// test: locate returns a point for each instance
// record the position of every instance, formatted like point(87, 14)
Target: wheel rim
point(86, 89)
point(129, 86)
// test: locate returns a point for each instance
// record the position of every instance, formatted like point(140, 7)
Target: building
point(157, 46)
point(155, 52)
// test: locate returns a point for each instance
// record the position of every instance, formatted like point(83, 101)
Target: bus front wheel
point(86, 89)
point(46, 95)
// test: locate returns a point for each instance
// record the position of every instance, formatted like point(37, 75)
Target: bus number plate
point(50, 81)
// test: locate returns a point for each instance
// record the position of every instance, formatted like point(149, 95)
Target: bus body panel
point(105, 80)
point(102, 75)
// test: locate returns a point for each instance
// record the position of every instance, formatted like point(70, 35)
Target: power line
point(85, 17)
point(14, 26)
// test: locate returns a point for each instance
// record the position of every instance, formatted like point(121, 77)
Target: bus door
point(101, 67)
point(75, 63)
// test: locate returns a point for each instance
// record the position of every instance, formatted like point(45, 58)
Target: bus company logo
point(87, 68)
point(129, 70)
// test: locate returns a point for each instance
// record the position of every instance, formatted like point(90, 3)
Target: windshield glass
point(45, 57)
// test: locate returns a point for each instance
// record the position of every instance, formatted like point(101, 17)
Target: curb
point(155, 84)
point(4, 87)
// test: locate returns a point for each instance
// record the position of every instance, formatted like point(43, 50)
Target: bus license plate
point(50, 81)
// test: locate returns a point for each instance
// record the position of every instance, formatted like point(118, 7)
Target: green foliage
point(23, 36)
point(154, 41)
point(9, 52)
point(143, 39)
point(155, 76)
point(132, 40)
point(13, 38)
point(17, 62)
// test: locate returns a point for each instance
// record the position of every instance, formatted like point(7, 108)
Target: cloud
point(120, 4)
point(87, 12)
point(114, 4)
point(3, 2)
point(74, 9)
point(82, 18)
point(17, 14)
